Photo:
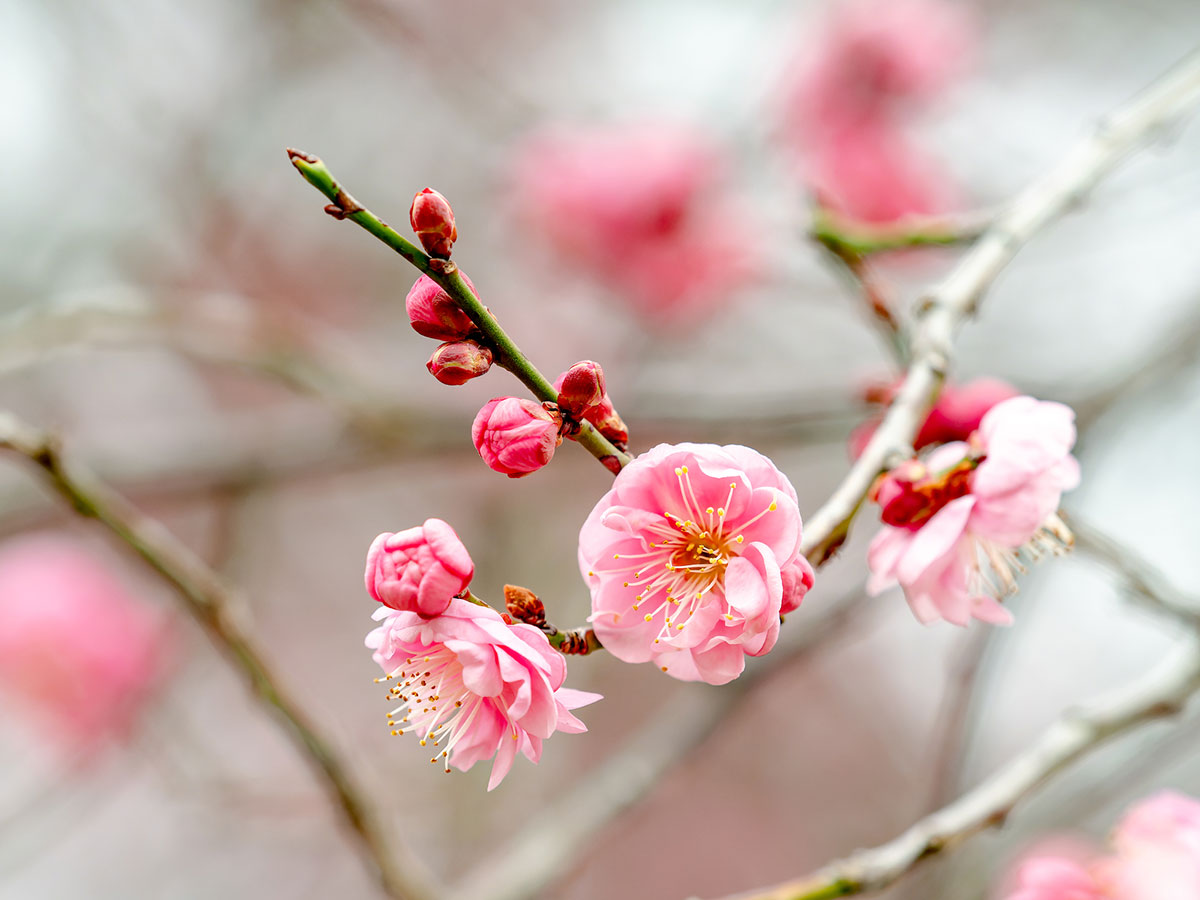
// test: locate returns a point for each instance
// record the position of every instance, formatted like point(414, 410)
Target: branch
point(842, 236)
point(447, 275)
point(942, 312)
point(1162, 692)
point(213, 604)
point(561, 830)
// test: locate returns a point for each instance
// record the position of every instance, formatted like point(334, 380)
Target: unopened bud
point(435, 314)
point(433, 221)
point(580, 388)
point(524, 605)
point(515, 436)
point(457, 362)
point(600, 413)
point(604, 416)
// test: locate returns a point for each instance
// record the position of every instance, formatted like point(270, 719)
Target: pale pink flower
point(77, 647)
point(640, 208)
point(474, 686)
point(685, 557)
point(516, 436)
point(1157, 850)
point(419, 570)
point(1017, 466)
point(1054, 878)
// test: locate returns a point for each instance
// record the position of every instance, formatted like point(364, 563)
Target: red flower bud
point(457, 362)
point(514, 436)
point(434, 313)
point(433, 221)
point(580, 388)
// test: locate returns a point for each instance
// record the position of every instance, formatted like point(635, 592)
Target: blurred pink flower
point(76, 645)
point(873, 57)
point(515, 436)
point(684, 559)
point(474, 685)
point(1157, 850)
point(958, 411)
point(1053, 878)
point(637, 207)
point(418, 570)
point(1019, 463)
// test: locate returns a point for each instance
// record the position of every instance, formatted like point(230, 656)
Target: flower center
point(434, 702)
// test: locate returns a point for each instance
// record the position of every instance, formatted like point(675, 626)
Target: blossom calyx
point(435, 314)
point(457, 362)
point(421, 569)
point(516, 436)
point(433, 221)
point(524, 605)
point(580, 388)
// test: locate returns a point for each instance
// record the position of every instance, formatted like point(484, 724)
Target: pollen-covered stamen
point(1053, 538)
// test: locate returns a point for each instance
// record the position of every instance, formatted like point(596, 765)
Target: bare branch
point(943, 311)
point(215, 606)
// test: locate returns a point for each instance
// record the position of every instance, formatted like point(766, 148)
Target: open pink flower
point(473, 685)
point(77, 647)
point(685, 557)
point(992, 499)
point(419, 570)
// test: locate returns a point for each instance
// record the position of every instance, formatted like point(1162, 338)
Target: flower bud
point(434, 313)
point(580, 388)
point(524, 605)
point(798, 579)
point(419, 570)
point(457, 362)
point(608, 423)
point(515, 436)
point(601, 413)
point(433, 221)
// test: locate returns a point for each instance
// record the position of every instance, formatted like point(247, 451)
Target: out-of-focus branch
point(1142, 579)
point(214, 605)
point(545, 849)
point(447, 275)
point(862, 239)
point(942, 312)
point(1162, 692)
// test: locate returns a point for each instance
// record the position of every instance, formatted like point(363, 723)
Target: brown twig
point(214, 605)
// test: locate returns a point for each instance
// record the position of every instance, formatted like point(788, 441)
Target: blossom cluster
point(1156, 856)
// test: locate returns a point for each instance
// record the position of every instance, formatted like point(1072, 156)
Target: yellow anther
point(709, 510)
point(720, 511)
point(684, 470)
point(649, 617)
point(679, 628)
point(774, 506)
point(739, 538)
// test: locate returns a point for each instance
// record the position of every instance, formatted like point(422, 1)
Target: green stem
point(863, 240)
point(447, 275)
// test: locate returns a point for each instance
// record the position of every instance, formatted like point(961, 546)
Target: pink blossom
point(515, 436)
point(77, 647)
point(873, 57)
point(419, 570)
point(1019, 463)
point(435, 314)
point(640, 208)
point(685, 557)
point(957, 413)
point(1055, 878)
point(1157, 850)
point(474, 685)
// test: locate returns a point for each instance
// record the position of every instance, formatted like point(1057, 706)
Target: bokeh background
point(176, 305)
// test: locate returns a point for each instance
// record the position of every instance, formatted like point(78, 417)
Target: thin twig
point(1161, 692)
point(943, 311)
point(214, 605)
point(864, 239)
point(547, 847)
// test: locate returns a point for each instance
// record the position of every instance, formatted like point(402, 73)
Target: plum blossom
point(474, 686)
point(419, 570)
point(640, 208)
point(955, 416)
point(435, 314)
point(78, 648)
point(690, 558)
point(1157, 847)
point(991, 500)
point(1053, 878)
point(516, 436)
